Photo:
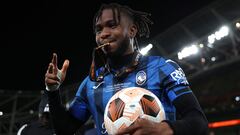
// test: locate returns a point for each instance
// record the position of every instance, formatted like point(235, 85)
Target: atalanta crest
point(141, 77)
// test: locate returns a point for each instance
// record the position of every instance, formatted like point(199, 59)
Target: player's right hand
point(54, 76)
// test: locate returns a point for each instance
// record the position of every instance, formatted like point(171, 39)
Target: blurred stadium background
point(206, 45)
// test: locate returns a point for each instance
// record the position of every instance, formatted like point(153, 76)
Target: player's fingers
point(54, 59)
point(52, 76)
point(50, 81)
point(65, 66)
point(50, 68)
point(129, 130)
point(138, 132)
point(143, 127)
point(55, 69)
point(141, 122)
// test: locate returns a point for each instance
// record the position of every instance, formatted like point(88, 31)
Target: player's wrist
point(52, 87)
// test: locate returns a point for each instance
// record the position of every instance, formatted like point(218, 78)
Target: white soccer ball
point(128, 104)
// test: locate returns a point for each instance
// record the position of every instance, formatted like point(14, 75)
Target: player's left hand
point(145, 127)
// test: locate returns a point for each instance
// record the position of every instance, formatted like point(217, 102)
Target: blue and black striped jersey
point(162, 77)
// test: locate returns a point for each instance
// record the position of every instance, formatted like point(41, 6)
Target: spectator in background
point(43, 125)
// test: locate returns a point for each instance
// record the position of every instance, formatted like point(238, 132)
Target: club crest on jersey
point(141, 77)
point(179, 76)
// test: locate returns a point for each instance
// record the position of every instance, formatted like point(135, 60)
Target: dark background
point(33, 30)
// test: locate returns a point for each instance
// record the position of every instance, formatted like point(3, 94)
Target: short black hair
point(140, 19)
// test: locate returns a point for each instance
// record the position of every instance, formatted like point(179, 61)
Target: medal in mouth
point(103, 45)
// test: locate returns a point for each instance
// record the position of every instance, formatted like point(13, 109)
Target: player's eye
point(98, 30)
point(112, 24)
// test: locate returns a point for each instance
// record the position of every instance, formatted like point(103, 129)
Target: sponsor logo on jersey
point(179, 76)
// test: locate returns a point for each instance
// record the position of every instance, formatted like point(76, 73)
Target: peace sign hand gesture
point(54, 77)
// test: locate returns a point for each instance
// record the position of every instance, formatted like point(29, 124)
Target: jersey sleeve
point(174, 81)
point(79, 105)
point(175, 84)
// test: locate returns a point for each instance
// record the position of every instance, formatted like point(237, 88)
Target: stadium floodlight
point(145, 50)
point(201, 45)
point(213, 59)
point(222, 32)
point(188, 51)
point(1, 113)
point(238, 24)
point(237, 98)
point(211, 38)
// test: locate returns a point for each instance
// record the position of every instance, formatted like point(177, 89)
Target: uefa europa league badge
point(141, 77)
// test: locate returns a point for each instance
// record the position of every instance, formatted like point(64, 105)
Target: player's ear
point(132, 30)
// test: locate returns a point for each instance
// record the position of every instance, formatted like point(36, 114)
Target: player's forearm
point(193, 120)
point(196, 126)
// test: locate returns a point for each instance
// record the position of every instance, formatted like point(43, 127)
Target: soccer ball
point(127, 105)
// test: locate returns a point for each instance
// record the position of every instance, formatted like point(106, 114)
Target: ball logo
point(141, 78)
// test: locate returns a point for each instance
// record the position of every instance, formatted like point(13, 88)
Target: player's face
point(118, 34)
